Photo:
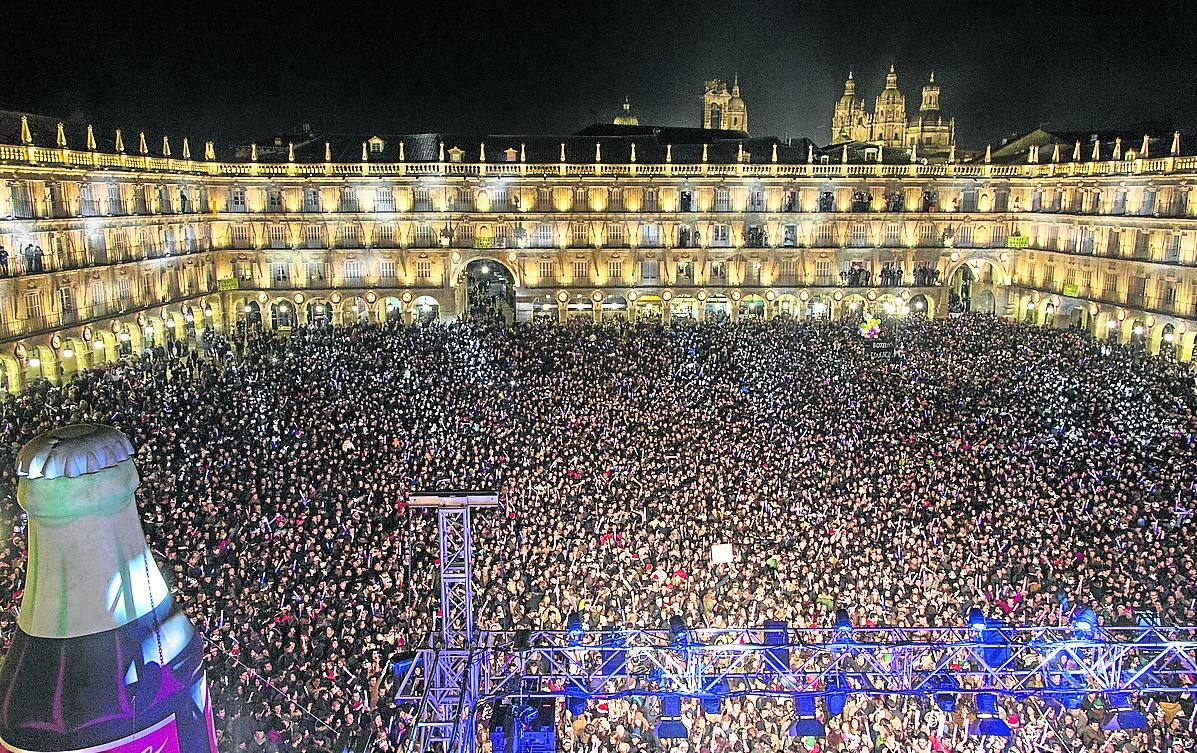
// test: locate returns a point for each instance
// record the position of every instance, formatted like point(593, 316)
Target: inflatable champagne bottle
point(103, 660)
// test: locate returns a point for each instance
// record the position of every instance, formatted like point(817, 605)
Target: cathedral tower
point(724, 108)
point(889, 114)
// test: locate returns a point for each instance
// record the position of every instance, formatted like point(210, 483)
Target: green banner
point(228, 283)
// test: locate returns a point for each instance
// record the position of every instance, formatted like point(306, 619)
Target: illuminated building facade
point(112, 247)
point(928, 132)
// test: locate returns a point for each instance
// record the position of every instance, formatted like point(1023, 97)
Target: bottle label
point(161, 738)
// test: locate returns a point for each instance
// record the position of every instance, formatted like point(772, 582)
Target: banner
point(161, 738)
point(228, 283)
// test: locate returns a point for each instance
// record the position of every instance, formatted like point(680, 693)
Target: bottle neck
point(87, 572)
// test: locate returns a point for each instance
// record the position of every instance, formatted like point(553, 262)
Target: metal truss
point(446, 673)
point(464, 670)
point(1018, 662)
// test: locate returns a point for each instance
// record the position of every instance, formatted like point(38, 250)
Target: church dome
point(735, 103)
point(626, 116)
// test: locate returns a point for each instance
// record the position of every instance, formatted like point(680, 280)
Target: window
point(652, 200)
point(544, 200)
point(964, 236)
point(353, 270)
point(384, 236)
point(422, 200)
point(685, 272)
point(581, 200)
point(722, 200)
point(98, 297)
point(499, 201)
point(386, 269)
point(424, 270)
point(376, 145)
point(579, 234)
point(860, 235)
point(237, 199)
point(274, 200)
point(147, 286)
point(615, 235)
point(311, 200)
point(349, 235)
point(789, 236)
point(348, 199)
point(788, 270)
point(278, 236)
point(1172, 249)
point(316, 272)
point(546, 270)
point(278, 272)
point(893, 234)
point(542, 236)
point(651, 235)
point(825, 235)
point(123, 290)
point(756, 200)
point(238, 234)
point(718, 272)
point(823, 274)
point(720, 235)
point(503, 236)
point(116, 204)
point(33, 304)
point(1110, 285)
point(615, 200)
point(649, 270)
point(423, 236)
point(313, 236)
point(614, 270)
point(581, 271)
point(384, 200)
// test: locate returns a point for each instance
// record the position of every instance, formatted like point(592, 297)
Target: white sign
point(721, 554)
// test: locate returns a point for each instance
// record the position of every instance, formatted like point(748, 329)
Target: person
point(3, 260)
point(1024, 469)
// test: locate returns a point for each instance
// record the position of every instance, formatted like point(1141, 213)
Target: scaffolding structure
point(465, 670)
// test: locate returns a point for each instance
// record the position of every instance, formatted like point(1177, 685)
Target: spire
point(988, 153)
point(26, 136)
point(850, 86)
point(402, 157)
point(562, 151)
point(844, 157)
point(810, 152)
point(633, 151)
point(482, 152)
point(740, 152)
point(1096, 149)
point(290, 151)
point(186, 148)
point(165, 145)
point(440, 152)
point(1076, 151)
point(952, 152)
point(120, 142)
point(1118, 147)
point(891, 78)
point(914, 151)
point(328, 152)
point(253, 152)
point(598, 152)
point(61, 138)
point(669, 152)
point(931, 80)
point(141, 147)
point(1146, 150)
point(522, 157)
point(209, 150)
point(774, 151)
point(1056, 153)
point(91, 138)
point(365, 155)
point(1175, 151)
point(704, 152)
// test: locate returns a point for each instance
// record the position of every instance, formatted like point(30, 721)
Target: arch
point(853, 306)
point(820, 307)
point(753, 305)
point(787, 304)
point(1078, 317)
point(458, 270)
point(649, 307)
point(74, 357)
point(318, 311)
point(1047, 312)
point(683, 307)
point(1134, 332)
point(10, 375)
point(614, 307)
point(105, 346)
point(355, 310)
point(488, 287)
point(579, 307)
point(249, 310)
point(716, 308)
point(923, 305)
point(40, 363)
point(544, 308)
point(427, 308)
point(390, 309)
point(1185, 351)
point(283, 314)
point(1162, 340)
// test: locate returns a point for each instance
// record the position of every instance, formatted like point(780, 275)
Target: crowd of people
point(1025, 470)
point(31, 260)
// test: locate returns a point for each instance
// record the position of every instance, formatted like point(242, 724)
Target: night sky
point(232, 72)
